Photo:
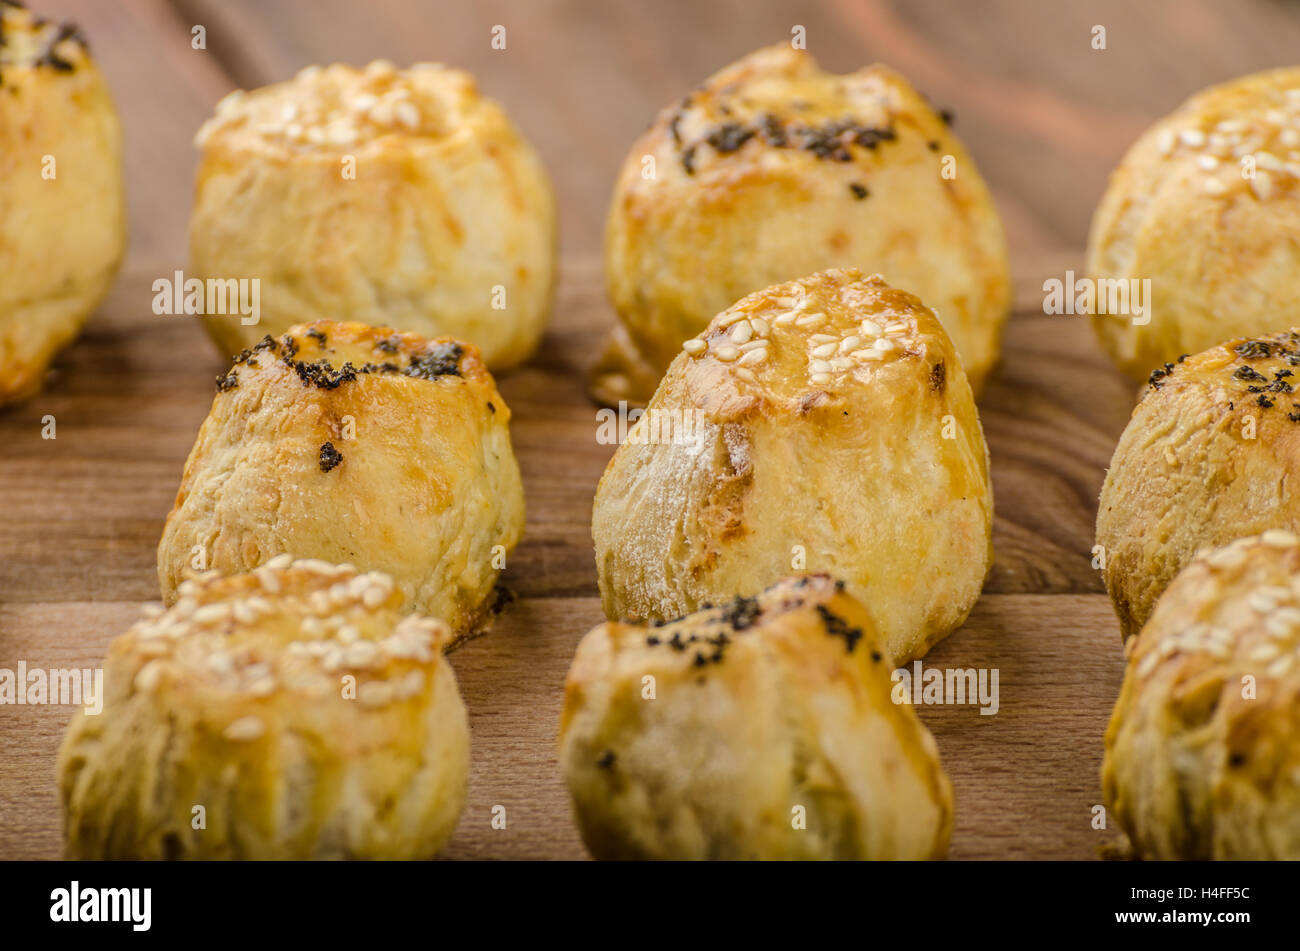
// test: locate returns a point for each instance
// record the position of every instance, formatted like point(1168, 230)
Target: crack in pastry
point(1202, 760)
point(394, 197)
point(773, 169)
point(1205, 459)
point(63, 232)
point(1203, 206)
point(832, 429)
point(298, 705)
point(355, 444)
point(762, 728)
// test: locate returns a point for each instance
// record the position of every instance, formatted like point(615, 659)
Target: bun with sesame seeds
point(63, 230)
point(1205, 206)
point(761, 729)
point(773, 169)
point(392, 197)
point(1206, 458)
point(297, 712)
point(820, 425)
point(1203, 748)
point(356, 444)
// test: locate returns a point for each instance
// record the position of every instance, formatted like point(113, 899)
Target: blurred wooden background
point(1046, 117)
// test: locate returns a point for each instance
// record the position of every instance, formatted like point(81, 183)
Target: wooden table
point(1046, 117)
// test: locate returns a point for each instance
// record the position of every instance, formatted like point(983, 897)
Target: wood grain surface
point(1046, 118)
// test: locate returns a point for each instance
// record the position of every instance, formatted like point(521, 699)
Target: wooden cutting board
point(82, 514)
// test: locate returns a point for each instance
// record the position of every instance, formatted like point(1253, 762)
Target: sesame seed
point(825, 350)
point(867, 355)
point(1207, 162)
point(262, 687)
point(820, 379)
point(760, 326)
point(741, 332)
point(348, 634)
point(1261, 602)
point(411, 684)
point(752, 357)
point(361, 654)
point(211, 612)
point(280, 561)
point(870, 328)
point(726, 353)
point(841, 363)
point(1283, 622)
point(780, 320)
point(810, 320)
point(1215, 186)
point(819, 366)
point(407, 114)
point(1193, 138)
point(822, 338)
point(745, 373)
point(1165, 143)
point(317, 566)
point(1227, 558)
point(756, 344)
point(1269, 161)
point(883, 345)
point(244, 729)
point(694, 347)
point(1266, 651)
point(851, 342)
point(1280, 666)
point(332, 659)
point(375, 693)
point(148, 676)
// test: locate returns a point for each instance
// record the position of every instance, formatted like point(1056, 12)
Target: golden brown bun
point(299, 706)
point(62, 225)
point(1207, 457)
point(766, 712)
point(1218, 248)
point(1203, 749)
point(773, 169)
point(355, 444)
point(843, 438)
point(447, 229)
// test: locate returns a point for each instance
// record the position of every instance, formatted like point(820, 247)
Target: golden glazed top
point(288, 628)
point(339, 108)
point(779, 101)
point(1259, 373)
point(1244, 134)
point(821, 332)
